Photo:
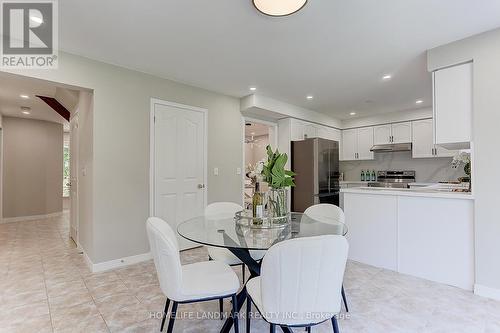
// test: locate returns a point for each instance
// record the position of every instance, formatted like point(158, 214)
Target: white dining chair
point(328, 213)
point(300, 282)
point(227, 210)
point(202, 281)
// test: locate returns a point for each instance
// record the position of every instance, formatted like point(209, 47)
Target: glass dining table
point(224, 232)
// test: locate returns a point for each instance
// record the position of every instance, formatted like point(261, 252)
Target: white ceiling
point(336, 50)
point(12, 86)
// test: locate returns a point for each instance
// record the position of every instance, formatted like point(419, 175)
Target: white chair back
point(326, 213)
point(222, 209)
point(165, 250)
point(301, 279)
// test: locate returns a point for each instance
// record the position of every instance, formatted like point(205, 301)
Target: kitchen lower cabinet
point(430, 237)
point(436, 240)
point(372, 229)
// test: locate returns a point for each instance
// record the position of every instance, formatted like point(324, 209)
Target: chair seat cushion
point(208, 279)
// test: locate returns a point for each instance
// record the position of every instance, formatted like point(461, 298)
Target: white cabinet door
point(401, 132)
point(382, 134)
point(349, 144)
point(453, 106)
point(422, 139)
point(310, 131)
point(296, 130)
point(365, 143)
point(443, 152)
point(329, 133)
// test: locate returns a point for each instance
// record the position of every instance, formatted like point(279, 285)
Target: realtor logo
point(29, 34)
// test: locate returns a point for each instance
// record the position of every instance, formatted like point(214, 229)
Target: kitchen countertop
point(412, 192)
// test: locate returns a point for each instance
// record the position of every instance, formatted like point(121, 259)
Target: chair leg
point(344, 299)
point(172, 318)
point(272, 328)
point(221, 308)
point(249, 309)
point(167, 304)
point(243, 272)
point(234, 314)
point(335, 325)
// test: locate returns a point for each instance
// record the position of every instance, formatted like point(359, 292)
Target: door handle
point(201, 186)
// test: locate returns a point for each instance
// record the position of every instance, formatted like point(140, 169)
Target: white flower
point(461, 157)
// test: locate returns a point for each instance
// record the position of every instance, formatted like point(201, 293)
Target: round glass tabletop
point(225, 232)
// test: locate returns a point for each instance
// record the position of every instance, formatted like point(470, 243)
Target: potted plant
point(278, 180)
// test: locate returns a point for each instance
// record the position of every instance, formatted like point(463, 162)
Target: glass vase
point(277, 205)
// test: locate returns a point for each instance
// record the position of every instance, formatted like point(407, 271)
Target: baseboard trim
point(30, 218)
point(117, 263)
point(489, 292)
point(85, 257)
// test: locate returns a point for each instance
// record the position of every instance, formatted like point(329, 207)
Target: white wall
point(118, 166)
point(484, 50)
point(428, 170)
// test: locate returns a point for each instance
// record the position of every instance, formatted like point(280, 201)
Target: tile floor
point(45, 286)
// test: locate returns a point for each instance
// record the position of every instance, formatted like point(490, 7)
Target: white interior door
point(180, 164)
point(73, 170)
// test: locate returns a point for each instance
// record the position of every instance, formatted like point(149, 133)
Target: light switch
point(238, 171)
point(216, 171)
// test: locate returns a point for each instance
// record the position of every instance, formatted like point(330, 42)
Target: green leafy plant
point(274, 172)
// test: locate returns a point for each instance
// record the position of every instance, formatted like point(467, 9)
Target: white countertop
point(413, 192)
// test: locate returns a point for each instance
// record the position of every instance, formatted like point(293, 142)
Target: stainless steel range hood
point(391, 147)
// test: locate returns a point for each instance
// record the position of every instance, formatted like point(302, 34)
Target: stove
point(394, 179)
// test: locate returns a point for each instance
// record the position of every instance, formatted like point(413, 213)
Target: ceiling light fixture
point(36, 19)
point(26, 112)
point(253, 88)
point(387, 77)
point(352, 113)
point(24, 96)
point(419, 101)
point(310, 97)
point(279, 8)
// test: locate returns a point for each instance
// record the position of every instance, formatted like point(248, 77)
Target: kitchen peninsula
point(422, 232)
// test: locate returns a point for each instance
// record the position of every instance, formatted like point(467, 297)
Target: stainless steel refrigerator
point(316, 164)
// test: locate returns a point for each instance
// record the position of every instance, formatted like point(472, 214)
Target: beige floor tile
point(125, 317)
point(147, 292)
point(112, 303)
point(40, 324)
point(69, 299)
point(14, 315)
point(67, 287)
point(93, 324)
point(109, 288)
point(69, 316)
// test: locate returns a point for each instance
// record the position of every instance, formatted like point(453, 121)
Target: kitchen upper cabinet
point(401, 132)
point(392, 133)
point(296, 130)
point(422, 139)
point(452, 88)
point(349, 144)
point(382, 134)
point(356, 144)
point(310, 131)
point(365, 143)
point(329, 133)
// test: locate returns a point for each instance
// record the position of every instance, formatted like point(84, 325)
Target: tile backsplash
point(427, 169)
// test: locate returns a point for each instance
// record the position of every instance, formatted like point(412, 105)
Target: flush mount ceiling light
point(253, 88)
point(23, 96)
point(387, 77)
point(309, 97)
point(279, 8)
point(352, 113)
point(419, 101)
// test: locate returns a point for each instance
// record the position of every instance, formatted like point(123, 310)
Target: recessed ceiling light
point(310, 97)
point(419, 101)
point(26, 112)
point(352, 113)
point(387, 77)
point(252, 133)
point(24, 96)
point(253, 88)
